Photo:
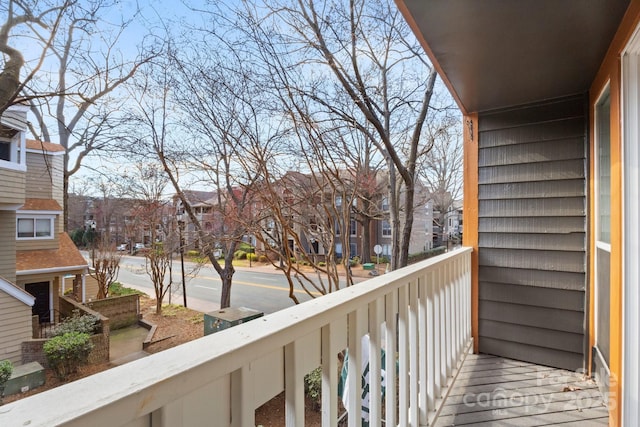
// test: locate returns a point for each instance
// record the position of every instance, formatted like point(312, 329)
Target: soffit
point(501, 53)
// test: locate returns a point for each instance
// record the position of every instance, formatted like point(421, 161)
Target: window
point(603, 167)
point(12, 152)
point(353, 229)
point(385, 204)
point(35, 228)
point(386, 228)
point(5, 151)
point(338, 200)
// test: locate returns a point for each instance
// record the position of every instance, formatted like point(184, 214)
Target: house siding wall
point(44, 177)
point(15, 318)
point(532, 228)
point(13, 183)
point(8, 246)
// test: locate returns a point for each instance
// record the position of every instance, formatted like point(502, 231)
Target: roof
point(496, 53)
point(41, 205)
point(16, 292)
point(48, 147)
point(66, 257)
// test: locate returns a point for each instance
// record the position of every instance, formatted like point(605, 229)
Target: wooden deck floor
point(493, 391)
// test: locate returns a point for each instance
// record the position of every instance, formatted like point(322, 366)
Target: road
point(260, 288)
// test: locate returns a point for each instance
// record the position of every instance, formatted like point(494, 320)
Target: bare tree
point(84, 112)
point(106, 264)
point(360, 64)
point(36, 24)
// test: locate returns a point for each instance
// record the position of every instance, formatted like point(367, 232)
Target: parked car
point(138, 246)
point(122, 247)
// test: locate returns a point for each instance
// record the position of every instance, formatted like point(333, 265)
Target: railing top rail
point(174, 372)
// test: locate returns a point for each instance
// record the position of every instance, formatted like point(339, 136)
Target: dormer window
point(35, 227)
point(5, 150)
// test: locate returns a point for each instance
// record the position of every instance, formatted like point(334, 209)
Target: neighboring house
point(35, 253)
point(453, 221)
point(550, 97)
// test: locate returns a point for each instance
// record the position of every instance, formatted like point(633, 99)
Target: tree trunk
point(366, 240)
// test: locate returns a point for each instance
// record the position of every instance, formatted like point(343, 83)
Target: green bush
point(116, 289)
point(354, 261)
point(313, 386)
point(246, 247)
point(322, 264)
point(6, 368)
point(239, 254)
point(65, 353)
point(252, 257)
point(193, 253)
point(85, 324)
point(263, 258)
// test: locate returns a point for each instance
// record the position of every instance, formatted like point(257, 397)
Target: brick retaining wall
point(122, 311)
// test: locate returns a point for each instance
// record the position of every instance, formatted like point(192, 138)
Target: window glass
point(603, 133)
point(25, 227)
point(5, 151)
point(43, 228)
point(386, 228)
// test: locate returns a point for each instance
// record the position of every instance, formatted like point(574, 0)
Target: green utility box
point(368, 266)
point(218, 320)
point(24, 378)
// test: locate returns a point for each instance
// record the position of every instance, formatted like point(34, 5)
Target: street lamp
point(180, 218)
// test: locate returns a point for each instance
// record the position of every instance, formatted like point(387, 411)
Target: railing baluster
point(294, 385)
point(403, 355)
point(413, 354)
point(447, 319)
point(356, 324)
point(443, 328)
point(330, 351)
point(431, 340)
point(375, 386)
point(391, 310)
point(242, 411)
point(424, 356)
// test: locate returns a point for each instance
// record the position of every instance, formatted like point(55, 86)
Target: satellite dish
point(377, 249)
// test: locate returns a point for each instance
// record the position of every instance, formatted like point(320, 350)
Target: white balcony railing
point(421, 314)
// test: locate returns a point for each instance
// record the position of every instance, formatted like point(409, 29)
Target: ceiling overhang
point(501, 53)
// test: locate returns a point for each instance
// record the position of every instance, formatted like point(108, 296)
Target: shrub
point(6, 368)
point(313, 386)
point(65, 353)
point(244, 246)
point(252, 257)
point(239, 254)
point(116, 289)
point(263, 258)
point(85, 324)
point(355, 261)
point(322, 264)
point(193, 253)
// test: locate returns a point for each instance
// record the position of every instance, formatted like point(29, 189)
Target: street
point(261, 288)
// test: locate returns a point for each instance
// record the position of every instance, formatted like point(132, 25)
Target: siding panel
point(537, 241)
point(15, 318)
point(532, 225)
point(533, 259)
point(549, 171)
point(532, 228)
point(13, 183)
point(8, 246)
point(532, 190)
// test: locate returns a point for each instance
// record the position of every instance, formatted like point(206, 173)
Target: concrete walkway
point(125, 344)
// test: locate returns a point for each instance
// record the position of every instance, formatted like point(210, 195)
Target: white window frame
point(386, 228)
point(630, 229)
point(17, 153)
point(51, 219)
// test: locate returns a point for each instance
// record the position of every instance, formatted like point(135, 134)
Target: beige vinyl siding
point(8, 246)
point(15, 319)
point(91, 286)
point(44, 176)
point(14, 119)
point(532, 232)
point(35, 244)
point(13, 183)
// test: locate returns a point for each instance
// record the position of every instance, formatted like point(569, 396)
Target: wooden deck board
point(493, 391)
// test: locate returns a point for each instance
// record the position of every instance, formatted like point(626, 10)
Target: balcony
point(421, 314)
